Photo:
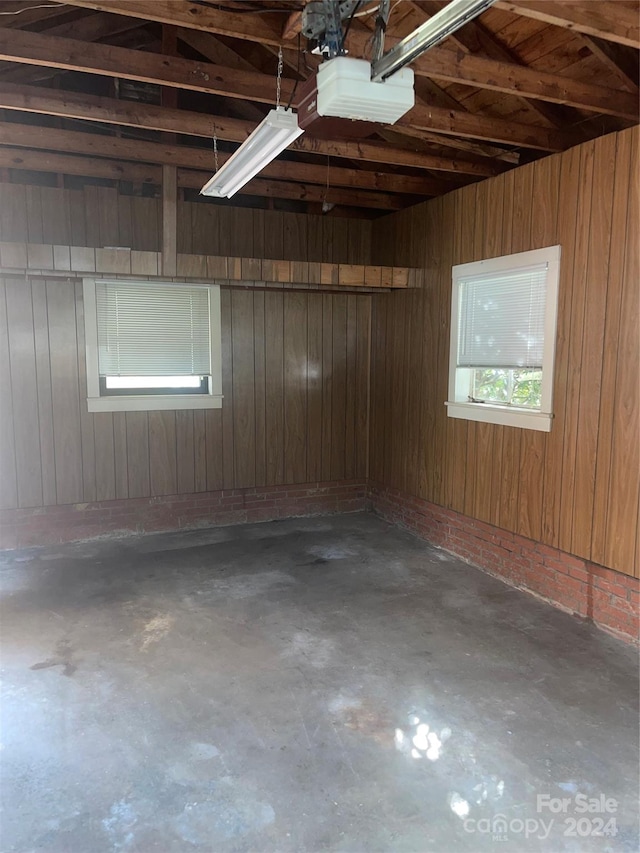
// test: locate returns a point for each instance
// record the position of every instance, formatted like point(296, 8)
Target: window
point(152, 345)
point(503, 334)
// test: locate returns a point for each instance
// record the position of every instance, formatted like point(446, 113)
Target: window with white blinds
point(153, 330)
point(503, 331)
point(152, 345)
point(501, 322)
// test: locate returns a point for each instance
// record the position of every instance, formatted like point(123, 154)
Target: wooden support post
point(169, 220)
point(169, 98)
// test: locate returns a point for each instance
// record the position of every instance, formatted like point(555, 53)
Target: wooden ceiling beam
point(522, 81)
point(65, 164)
point(475, 38)
point(487, 128)
point(623, 61)
point(438, 62)
point(34, 49)
point(27, 16)
point(100, 145)
point(169, 70)
point(90, 28)
point(603, 19)
point(77, 105)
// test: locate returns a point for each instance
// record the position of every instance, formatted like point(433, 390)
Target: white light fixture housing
point(345, 89)
point(275, 133)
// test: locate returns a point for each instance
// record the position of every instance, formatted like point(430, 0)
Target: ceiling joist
point(186, 157)
point(438, 62)
point(36, 49)
point(604, 19)
point(136, 173)
point(149, 117)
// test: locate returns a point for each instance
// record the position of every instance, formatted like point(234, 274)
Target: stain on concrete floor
point(308, 685)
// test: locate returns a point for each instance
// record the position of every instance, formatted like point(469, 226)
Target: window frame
point(458, 405)
point(150, 402)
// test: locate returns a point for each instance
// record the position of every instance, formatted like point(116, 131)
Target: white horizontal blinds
point(153, 330)
point(502, 318)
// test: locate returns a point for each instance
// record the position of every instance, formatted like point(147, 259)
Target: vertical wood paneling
point(13, 213)
point(339, 387)
point(350, 379)
point(259, 387)
point(55, 217)
point(295, 388)
point(566, 237)
point(591, 357)
point(274, 361)
point(121, 454)
point(8, 478)
point(362, 379)
point(314, 387)
point(43, 380)
point(162, 453)
point(377, 378)
point(35, 228)
point(185, 452)
point(576, 487)
point(138, 474)
point(22, 364)
point(86, 419)
point(105, 456)
point(543, 231)
point(77, 218)
point(620, 551)
point(65, 391)
point(200, 451)
point(244, 413)
point(619, 236)
point(295, 369)
point(578, 299)
point(98, 216)
point(327, 384)
point(214, 449)
point(483, 432)
point(228, 437)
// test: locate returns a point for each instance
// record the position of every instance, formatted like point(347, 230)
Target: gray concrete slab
point(307, 685)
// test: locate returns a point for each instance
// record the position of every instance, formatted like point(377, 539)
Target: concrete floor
point(257, 688)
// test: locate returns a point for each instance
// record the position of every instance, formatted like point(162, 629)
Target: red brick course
point(606, 597)
point(20, 528)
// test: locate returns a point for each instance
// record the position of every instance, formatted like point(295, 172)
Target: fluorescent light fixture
point(277, 131)
point(449, 19)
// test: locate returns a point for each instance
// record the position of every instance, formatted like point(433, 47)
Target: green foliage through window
point(509, 387)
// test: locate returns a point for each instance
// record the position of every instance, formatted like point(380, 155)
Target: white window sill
point(153, 403)
point(489, 414)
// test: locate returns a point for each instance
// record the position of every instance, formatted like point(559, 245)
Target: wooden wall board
point(296, 385)
point(22, 361)
point(67, 431)
point(8, 474)
point(568, 488)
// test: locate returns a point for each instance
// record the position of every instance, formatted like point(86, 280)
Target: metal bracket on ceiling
point(322, 23)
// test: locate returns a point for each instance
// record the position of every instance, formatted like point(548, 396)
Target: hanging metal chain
point(215, 148)
point(279, 80)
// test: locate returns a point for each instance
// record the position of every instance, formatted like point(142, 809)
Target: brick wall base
point(608, 598)
point(21, 528)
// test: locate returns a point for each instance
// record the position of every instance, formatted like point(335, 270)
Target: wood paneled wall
point(100, 216)
point(295, 410)
point(577, 487)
